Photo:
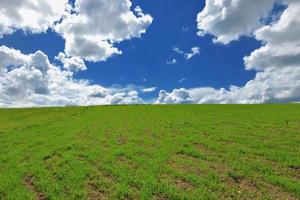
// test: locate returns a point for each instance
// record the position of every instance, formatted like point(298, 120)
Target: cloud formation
point(149, 90)
point(281, 42)
point(71, 63)
point(92, 27)
point(30, 16)
point(177, 96)
point(171, 62)
point(31, 80)
point(277, 62)
point(194, 51)
point(227, 20)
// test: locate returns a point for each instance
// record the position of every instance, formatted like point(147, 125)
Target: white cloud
point(30, 15)
point(71, 63)
point(171, 62)
point(277, 61)
point(194, 51)
point(125, 98)
point(11, 58)
point(227, 20)
point(93, 27)
point(96, 25)
point(90, 28)
point(281, 42)
point(177, 50)
point(31, 80)
point(177, 96)
point(149, 90)
point(272, 85)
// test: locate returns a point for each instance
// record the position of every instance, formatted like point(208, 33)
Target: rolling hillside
point(151, 152)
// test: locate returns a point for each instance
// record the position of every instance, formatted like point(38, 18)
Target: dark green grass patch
point(151, 152)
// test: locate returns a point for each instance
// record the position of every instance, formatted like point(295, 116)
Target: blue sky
point(145, 59)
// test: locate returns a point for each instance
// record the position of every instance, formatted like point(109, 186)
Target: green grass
point(151, 152)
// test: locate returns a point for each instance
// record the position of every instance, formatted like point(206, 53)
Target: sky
point(97, 52)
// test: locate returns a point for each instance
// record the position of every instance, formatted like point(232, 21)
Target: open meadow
point(151, 152)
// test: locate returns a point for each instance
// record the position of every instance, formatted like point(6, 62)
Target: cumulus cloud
point(194, 51)
point(282, 42)
point(31, 80)
point(71, 63)
point(227, 20)
point(93, 27)
point(270, 86)
point(90, 28)
point(29, 15)
point(277, 62)
point(177, 96)
point(9, 57)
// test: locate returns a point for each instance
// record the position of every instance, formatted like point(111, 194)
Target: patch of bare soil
point(279, 194)
point(184, 184)
point(29, 183)
point(126, 129)
point(245, 189)
point(157, 197)
point(123, 160)
point(99, 185)
point(203, 148)
point(150, 133)
point(51, 160)
point(185, 164)
point(178, 182)
point(94, 193)
point(121, 140)
point(249, 189)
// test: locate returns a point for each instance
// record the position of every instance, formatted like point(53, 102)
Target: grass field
point(151, 152)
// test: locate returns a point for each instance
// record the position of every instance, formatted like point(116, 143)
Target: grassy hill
point(151, 152)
